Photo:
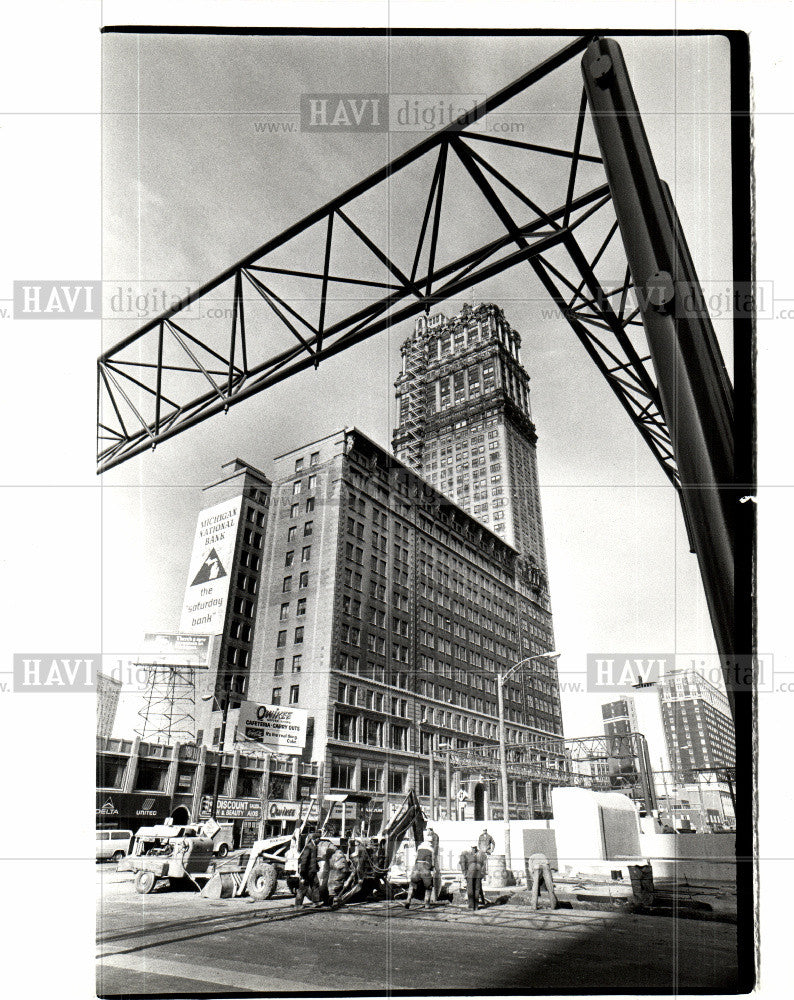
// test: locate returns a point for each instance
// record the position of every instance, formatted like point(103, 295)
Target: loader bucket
point(220, 886)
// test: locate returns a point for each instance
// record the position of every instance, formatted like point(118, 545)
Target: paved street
point(180, 942)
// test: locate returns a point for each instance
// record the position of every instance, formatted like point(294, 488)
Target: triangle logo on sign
point(211, 569)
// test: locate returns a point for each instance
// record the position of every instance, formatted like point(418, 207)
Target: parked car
point(112, 845)
point(223, 840)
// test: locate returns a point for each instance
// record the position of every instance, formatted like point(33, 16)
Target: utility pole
point(227, 697)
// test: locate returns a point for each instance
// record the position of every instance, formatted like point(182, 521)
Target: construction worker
point(308, 869)
point(540, 867)
point(486, 843)
point(432, 837)
point(324, 851)
point(472, 864)
point(339, 869)
point(360, 867)
point(422, 874)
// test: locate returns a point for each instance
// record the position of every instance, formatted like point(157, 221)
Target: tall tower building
point(464, 424)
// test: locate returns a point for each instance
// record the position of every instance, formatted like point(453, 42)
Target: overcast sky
point(192, 182)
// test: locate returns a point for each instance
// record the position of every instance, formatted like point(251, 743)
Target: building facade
point(385, 611)
point(141, 782)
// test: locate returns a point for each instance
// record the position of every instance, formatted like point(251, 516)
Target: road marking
point(235, 978)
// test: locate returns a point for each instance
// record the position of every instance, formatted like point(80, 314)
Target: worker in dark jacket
point(308, 868)
point(472, 864)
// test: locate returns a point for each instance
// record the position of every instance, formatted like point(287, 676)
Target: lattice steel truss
point(331, 281)
point(168, 710)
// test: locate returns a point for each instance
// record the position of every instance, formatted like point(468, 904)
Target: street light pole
point(432, 762)
point(501, 678)
point(503, 770)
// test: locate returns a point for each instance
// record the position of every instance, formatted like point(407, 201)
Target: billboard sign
point(208, 578)
point(177, 648)
point(281, 729)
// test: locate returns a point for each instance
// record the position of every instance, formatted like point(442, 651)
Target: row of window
point(294, 695)
point(281, 639)
point(308, 530)
point(297, 662)
point(372, 732)
point(289, 557)
point(314, 460)
point(343, 776)
point(300, 609)
point(295, 509)
point(311, 484)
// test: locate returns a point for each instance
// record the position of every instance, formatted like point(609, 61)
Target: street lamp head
point(527, 659)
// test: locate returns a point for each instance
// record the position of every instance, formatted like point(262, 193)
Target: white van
point(112, 845)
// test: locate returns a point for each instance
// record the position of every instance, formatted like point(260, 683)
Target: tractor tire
point(145, 882)
point(117, 856)
point(262, 881)
point(223, 850)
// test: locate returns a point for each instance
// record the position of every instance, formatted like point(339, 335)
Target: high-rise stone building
point(697, 723)
point(619, 717)
point(385, 612)
point(464, 423)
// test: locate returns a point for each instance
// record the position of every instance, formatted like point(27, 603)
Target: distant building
point(697, 722)
point(108, 691)
point(619, 716)
point(629, 759)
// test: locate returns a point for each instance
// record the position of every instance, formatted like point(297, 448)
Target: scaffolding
point(601, 763)
point(412, 391)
